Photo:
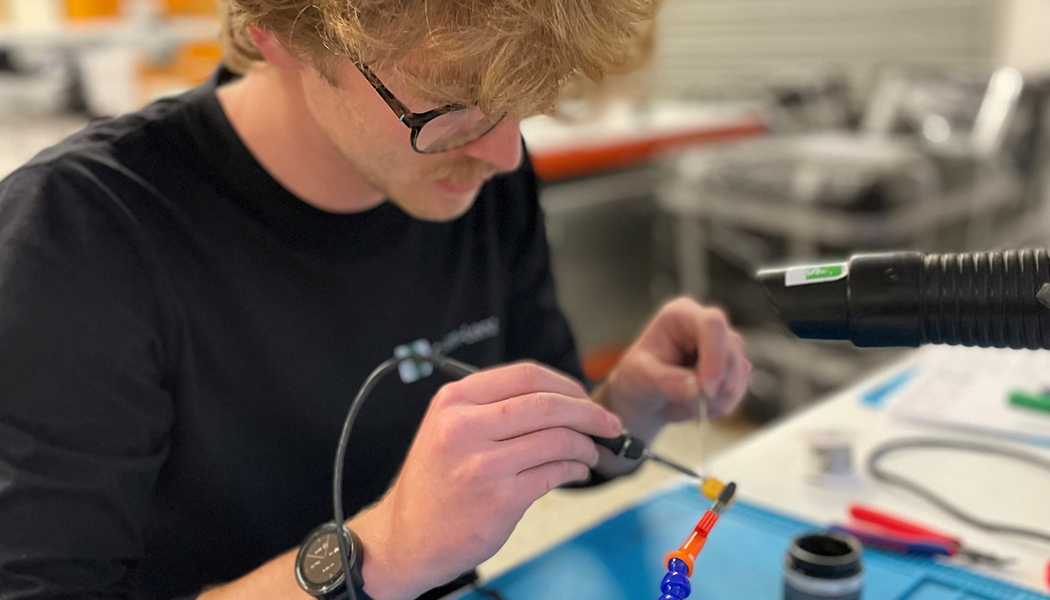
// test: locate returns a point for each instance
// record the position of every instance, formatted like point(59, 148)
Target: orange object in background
point(197, 61)
point(597, 363)
point(191, 8)
point(553, 165)
point(85, 10)
point(192, 65)
point(80, 10)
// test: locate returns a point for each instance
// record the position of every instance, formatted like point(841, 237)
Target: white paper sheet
point(967, 388)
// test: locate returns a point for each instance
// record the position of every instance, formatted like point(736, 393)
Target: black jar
point(823, 566)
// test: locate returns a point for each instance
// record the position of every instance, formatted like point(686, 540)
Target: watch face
point(321, 563)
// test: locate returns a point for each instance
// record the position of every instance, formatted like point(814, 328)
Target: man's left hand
point(688, 362)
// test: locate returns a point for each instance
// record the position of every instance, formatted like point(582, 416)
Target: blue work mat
point(620, 559)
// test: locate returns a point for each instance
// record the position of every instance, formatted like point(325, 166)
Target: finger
point(739, 391)
point(685, 411)
point(678, 385)
point(673, 333)
point(528, 413)
point(534, 483)
point(541, 447)
point(735, 383)
point(714, 352)
point(492, 385)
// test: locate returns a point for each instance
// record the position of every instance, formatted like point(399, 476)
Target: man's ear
point(271, 48)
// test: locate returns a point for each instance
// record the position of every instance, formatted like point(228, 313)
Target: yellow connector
point(711, 488)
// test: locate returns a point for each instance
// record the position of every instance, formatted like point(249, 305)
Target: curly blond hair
point(507, 56)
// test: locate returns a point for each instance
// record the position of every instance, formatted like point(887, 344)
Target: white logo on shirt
point(465, 335)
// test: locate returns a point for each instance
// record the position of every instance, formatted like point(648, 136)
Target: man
point(190, 295)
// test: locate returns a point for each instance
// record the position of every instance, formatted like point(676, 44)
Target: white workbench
point(771, 468)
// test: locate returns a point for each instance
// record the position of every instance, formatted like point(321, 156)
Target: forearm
point(275, 579)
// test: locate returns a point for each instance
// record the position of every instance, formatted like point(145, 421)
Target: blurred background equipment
point(65, 61)
point(939, 160)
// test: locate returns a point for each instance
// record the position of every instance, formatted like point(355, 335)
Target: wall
point(728, 47)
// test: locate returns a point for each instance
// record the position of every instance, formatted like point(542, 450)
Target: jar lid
point(825, 555)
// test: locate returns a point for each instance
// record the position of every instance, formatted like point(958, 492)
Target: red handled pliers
point(877, 529)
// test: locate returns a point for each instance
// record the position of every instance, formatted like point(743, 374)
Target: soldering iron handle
point(614, 445)
point(625, 445)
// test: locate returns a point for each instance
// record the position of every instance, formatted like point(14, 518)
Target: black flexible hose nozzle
point(988, 299)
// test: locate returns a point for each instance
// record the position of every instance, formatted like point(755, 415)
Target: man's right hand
point(489, 446)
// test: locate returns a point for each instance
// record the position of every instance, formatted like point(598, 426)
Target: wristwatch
point(319, 565)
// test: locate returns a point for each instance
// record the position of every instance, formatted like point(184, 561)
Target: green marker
point(1025, 400)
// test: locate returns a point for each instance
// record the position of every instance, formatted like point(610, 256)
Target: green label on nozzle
point(815, 274)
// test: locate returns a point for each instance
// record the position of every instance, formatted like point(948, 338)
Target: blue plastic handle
point(891, 543)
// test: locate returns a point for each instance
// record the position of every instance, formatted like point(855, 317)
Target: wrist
point(387, 570)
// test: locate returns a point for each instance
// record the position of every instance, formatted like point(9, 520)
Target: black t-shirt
point(180, 338)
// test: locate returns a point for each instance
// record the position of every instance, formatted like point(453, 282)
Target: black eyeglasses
point(440, 130)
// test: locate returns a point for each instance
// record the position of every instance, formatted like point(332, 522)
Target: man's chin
point(438, 208)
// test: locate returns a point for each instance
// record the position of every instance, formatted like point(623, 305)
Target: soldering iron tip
point(727, 494)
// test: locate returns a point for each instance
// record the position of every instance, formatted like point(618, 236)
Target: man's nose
point(500, 147)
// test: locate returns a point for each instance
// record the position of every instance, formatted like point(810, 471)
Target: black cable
point(919, 443)
point(449, 365)
point(340, 457)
